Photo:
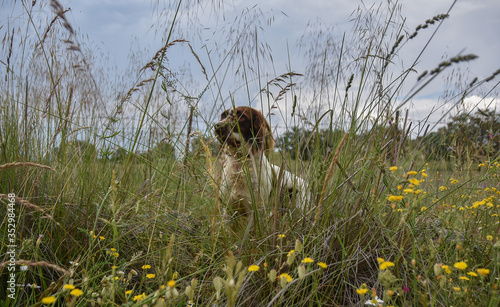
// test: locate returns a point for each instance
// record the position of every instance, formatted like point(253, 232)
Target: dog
point(248, 180)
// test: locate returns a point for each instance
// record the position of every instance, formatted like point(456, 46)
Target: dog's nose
point(217, 126)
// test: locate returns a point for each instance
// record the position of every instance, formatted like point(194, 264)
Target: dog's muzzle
point(220, 130)
point(224, 134)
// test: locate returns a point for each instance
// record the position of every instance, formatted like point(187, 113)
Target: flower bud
point(272, 275)
point(291, 257)
point(438, 269)
point(302, 271)
point(298, 246)
point(283, 281)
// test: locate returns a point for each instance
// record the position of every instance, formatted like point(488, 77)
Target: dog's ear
point(262, 132)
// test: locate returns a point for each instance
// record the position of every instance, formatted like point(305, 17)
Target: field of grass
point(98, 210)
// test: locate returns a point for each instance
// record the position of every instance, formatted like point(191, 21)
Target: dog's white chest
point(245, 182)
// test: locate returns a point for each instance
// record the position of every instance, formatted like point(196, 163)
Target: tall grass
point(116, 190)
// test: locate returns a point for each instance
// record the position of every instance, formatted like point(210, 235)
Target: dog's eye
point(223, 115)
point(240, 115)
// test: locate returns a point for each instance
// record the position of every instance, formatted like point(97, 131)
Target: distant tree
point(477, 133)
point(82, 149)
point(296, 142)
point(198, 142)
point(163, 150)
point(475, 136)
point(304, 144)
point(119, 154)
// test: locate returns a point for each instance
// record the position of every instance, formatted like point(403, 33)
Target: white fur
point(250, 182)
point(245, 181)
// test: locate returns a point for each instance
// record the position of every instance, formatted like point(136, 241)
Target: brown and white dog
point(248, 179)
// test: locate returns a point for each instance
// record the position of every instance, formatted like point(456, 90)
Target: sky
point(140, 27)
point(473, 25)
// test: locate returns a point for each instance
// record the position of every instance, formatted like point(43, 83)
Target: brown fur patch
point(247, 122)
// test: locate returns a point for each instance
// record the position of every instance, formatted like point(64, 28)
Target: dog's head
point(244, 128)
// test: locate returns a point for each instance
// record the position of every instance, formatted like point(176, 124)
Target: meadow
point(115, 192)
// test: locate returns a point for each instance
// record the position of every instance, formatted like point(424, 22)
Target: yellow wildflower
point(463, 278)
point(473, 274)
point(128, 292)
point(307, 260)
point(393, 168)
point(68, 287)
point(171, 284)
point(386, 264)
point(139, 297)
point(460, 265)
point(146, 266)
point(281, 236)
point(150, 276)
point(76, 292)
point(414, 181)
point(362, 290)
point(48, 300)
point(489, 237)
point(483, 272)
point(446, 269)
point(423, 208)
point(322, 265)
point(412, 173)
point(456, 289)
point(395, 198)
point(253, 268)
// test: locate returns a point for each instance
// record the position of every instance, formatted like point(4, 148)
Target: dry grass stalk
point(203, 70)
point(30, 205)
point(37, 263)
point(17, 164)
point(328, 177)
point(160, 52)
point(48, 29)
point(10, 52)
point(59, 10)
point(64, 123)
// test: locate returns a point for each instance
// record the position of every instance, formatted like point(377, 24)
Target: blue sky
point(472, 27)
point(121, 28)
